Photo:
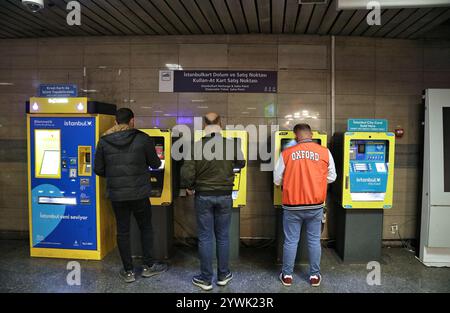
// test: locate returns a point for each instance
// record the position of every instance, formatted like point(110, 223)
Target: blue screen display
point(368, 167)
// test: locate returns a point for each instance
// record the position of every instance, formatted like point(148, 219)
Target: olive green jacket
point(212, 173)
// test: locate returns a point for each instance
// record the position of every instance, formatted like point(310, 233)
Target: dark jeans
point(142, 211)
point(213, 217)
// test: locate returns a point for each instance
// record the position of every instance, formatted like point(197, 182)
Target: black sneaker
point(201, 283)
point(223, 280)
point(155, 269)
point(127, 276)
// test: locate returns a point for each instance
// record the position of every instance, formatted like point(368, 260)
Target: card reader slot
point(84, 161)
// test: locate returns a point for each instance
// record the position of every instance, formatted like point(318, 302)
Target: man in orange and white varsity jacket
point(303, 171)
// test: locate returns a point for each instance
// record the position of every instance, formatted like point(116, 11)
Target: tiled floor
point(254, 272)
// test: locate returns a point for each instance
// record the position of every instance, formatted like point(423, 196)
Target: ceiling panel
point(426, 23)
point(131, 15)
point(306, 11)
point(251, 15)
point(153, 26)
point(357, 18)
point(386, 16)
point(187, 17)
point(329, 18)
point(316, 18)
point(118, 14)
point(290, 16)
point(224, 15)
point(42, 25)
point(238, 16)
point(179, 9)
point(102, 17)
point(341, 21)
point(411, 20)
point(194, 11)
point(17, 22)
point(89, 19)
point(395, 22)
point(278, 16)
point(263, 7)
point(170, 16)
point(210, 14)
point(157, 16)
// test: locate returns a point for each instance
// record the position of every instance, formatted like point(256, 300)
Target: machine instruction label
point(367, 125)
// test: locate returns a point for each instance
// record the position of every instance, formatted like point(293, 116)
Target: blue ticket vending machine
point(70, 216)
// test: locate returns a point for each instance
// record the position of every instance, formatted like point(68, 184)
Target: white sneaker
point(286, 280)
point(315, 280)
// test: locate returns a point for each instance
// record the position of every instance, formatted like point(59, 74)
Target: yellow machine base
point(65, 254)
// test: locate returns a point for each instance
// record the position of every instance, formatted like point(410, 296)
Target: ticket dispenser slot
point(84, 161)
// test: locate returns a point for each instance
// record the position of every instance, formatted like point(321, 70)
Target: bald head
point(212, 123)
point(212, 118)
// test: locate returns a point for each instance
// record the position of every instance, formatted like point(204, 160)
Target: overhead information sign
point(218, 81)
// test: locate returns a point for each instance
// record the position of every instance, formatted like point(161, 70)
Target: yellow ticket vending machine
point(161, 199)
point(283, 140)
point(239, 193)
point(364, 158)
point(69, 215)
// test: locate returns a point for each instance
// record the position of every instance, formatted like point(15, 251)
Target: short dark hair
point(302, 127)
point(124, 116)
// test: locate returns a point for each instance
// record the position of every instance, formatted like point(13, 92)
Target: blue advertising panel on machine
point(63, 203)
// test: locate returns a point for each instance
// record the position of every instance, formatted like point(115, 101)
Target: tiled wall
point(379, 78)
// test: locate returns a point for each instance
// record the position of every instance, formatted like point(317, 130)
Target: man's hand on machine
point(190, 192)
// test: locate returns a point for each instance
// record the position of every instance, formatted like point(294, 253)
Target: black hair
point(124, 116)
point(302, 127)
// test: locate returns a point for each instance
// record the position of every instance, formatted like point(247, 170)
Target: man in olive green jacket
point(210, 175)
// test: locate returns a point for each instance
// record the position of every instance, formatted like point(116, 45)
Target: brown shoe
point(315, 280)
point(286, 280)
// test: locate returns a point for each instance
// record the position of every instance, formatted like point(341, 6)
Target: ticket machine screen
point(368, 169)
point(157, 175)
point(237, 171)
point(286, 143)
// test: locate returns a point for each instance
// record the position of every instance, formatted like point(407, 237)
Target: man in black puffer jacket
point(124, 155)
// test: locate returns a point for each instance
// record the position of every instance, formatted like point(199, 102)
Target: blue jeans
point(292, 225)
point(213, 217)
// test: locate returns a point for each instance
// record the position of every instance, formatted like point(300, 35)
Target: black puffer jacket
point(123, 156)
